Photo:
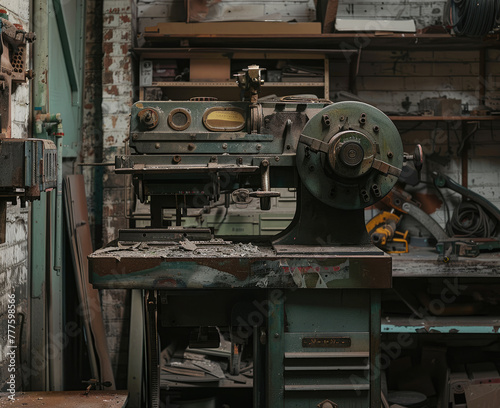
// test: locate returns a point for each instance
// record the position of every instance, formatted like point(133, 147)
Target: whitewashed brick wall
point(424, 12)
point(117, 93)
point(150, 13)
point(14, 252)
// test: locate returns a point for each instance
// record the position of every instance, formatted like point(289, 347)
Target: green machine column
point(39, 237)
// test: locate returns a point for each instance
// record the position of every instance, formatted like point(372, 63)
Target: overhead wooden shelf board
point(320, 42)
point(234, 28)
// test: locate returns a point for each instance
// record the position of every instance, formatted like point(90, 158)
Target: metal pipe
point(38, 267)
point(47, 308)
point(58, 248)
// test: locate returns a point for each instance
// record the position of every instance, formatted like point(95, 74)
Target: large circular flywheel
point(349, 155)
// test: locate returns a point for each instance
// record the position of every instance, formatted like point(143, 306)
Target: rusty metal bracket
point(13, 41)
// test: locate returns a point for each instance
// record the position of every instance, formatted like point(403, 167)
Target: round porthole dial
point(179, 119)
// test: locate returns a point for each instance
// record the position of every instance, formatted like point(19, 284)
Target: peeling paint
point(125, 18)
point(14, 252)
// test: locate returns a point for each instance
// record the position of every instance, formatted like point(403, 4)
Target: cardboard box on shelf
point(210, 70)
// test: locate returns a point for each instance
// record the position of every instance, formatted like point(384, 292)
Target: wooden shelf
point(445, 325)
point(423, 263)
point(228, 62)
point(234, 85)
point(337, 41)
point(415, 118)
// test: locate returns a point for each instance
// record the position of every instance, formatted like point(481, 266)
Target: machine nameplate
point(330, 342)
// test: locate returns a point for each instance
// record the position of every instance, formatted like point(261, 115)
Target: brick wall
point(107, 102)
point(423, 12)
point(151, 13)
point(91, 151)
point(14, 252)
point(116, 102)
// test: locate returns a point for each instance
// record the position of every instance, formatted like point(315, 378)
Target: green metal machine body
point(306, 302)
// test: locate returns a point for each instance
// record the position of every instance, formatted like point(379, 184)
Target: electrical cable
point(472, 18)
point(466, 138)
point(469, 219)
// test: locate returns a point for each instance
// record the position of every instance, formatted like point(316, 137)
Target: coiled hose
point(472, 18)
point(470, 220)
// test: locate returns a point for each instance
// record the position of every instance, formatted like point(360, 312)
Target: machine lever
point(441, 180)
point(265, 194)
point(315, 145)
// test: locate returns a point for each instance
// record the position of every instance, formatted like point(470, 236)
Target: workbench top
point(423, 263)
point(227, 265)
point(65, 399)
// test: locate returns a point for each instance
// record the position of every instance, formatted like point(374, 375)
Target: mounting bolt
point(177, 159)
point(390, 155)
point(277, 158)
point(135, 136)
point(224, 146)
point(240, 160)
point(265, 162)
point(259, 146)
point(327, 404)
point(342, 118)
point(213, 159)
point(157, 146)
point(376, 129)
point(191, 146)
point(276, 335)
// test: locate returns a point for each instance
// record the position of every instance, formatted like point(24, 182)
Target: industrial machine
point(29, 165)
point(303, 307)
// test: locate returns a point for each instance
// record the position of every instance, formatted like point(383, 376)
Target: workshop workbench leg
point(375, 334)
point(275, 388)
point(135, 354)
